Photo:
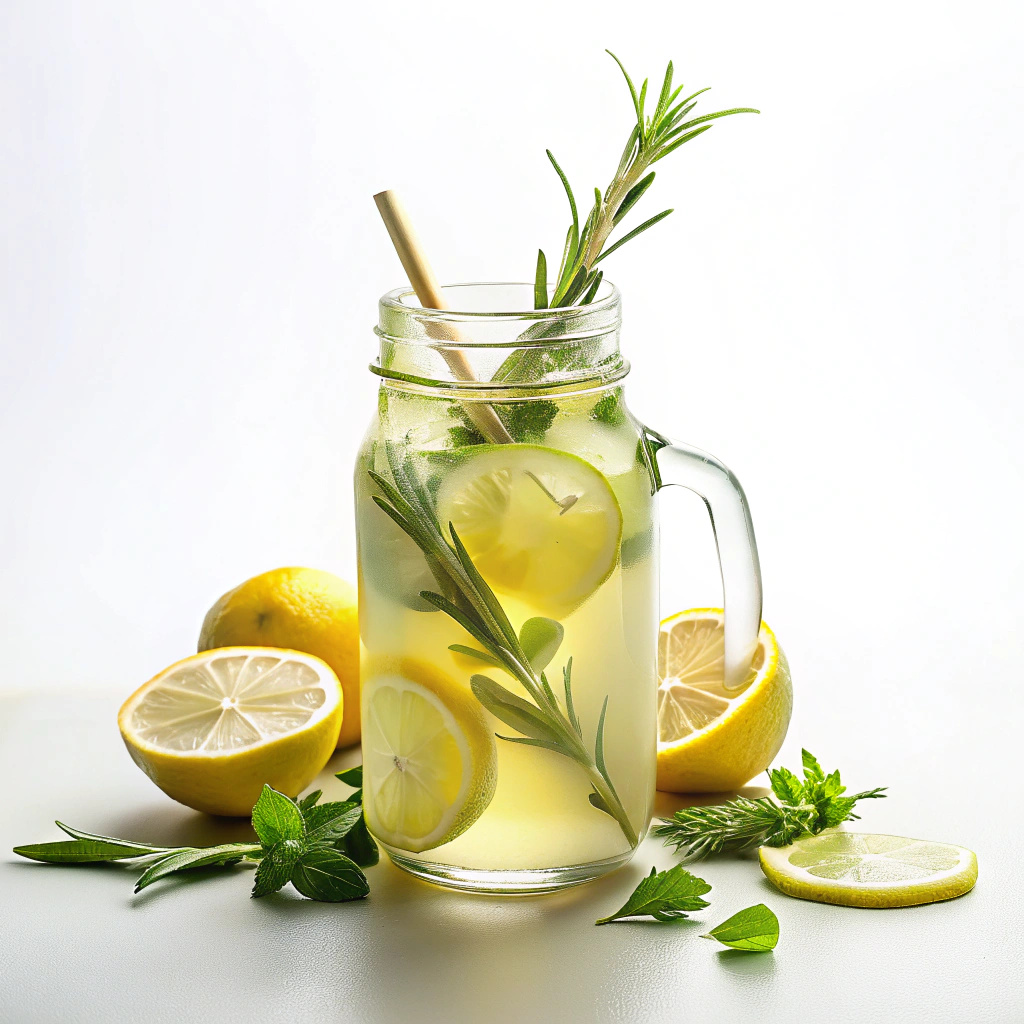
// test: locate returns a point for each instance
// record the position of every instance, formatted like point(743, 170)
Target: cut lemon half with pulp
point(712, 740)
point(212, 729)
point(429, 758)
point(858, 869)
point(539, 524)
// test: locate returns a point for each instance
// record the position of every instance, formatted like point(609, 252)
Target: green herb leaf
point(608, 410)
point(186, 859)
point(332, 821)
point(359, 845)
point(324, 874)
point(276, 818)
point(511, 709)
point(664, 895)
point(275, 870)
point(309, 801)
point(540, 283)
point(755, 929)
point(81, 851)
point(472, 652)
point(540, 639)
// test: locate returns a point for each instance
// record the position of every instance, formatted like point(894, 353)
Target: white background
point(191, 262)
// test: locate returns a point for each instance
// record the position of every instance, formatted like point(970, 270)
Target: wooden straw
point(428, 291)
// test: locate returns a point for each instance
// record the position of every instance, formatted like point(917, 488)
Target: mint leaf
point(80, 851)
point(321, 873)
point(276, 818)
point(664, 895)
point(540, 639)
point(332, 821)
point(755, 929)
point(812, 770)
point(309, 801)
point(608, 410)
point(786, 786)
point(352, 776)
point(276, 867)
point(359, 845)
point(186, 859)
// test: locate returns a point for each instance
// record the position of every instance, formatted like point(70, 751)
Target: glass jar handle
point(680, 465)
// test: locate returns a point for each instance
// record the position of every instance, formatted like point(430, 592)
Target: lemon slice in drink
point(858, 869)
point(540, 524)
point(712, 740)
point(212, 729)
point(429, 759)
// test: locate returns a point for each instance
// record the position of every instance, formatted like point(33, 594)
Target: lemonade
point(589, 566)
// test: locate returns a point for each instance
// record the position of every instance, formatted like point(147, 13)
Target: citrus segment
point(429, 759)
point(212, 729)
point(539, 524)
point(858, 869)
point(711, 739)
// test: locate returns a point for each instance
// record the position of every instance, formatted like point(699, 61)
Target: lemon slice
point(212, 729)
point(429, 759)
point(710, 739)
point(539, 524)
point(858, 869)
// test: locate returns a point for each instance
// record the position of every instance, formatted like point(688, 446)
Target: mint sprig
point(800, 808)
point(664, 895)
point(319, 848)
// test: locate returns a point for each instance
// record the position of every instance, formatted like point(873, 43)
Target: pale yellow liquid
point(540, 816)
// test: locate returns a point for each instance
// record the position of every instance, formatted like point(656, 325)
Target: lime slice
point(429, 760)
point(858, 869)
point(212, 729)
point(540, 525)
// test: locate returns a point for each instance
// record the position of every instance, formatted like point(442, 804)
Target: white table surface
point(76, 945)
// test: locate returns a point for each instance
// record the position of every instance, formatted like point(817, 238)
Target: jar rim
point(609, 299)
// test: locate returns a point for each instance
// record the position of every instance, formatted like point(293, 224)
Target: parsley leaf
point(663, 895)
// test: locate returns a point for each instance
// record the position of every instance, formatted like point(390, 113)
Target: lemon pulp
point(711, 739)
point(212, 729)
point(539, 524)
point(429, 758)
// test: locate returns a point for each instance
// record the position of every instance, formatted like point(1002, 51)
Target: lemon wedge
point(540, 525)
point(429, 759)
point(712, 740)
point(212, 729)
point(858, 869)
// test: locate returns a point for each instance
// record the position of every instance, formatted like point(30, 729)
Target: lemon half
point(712, 740)
point(296, 609)
point(539, 524)
point(429, 758)
point(212, 729)
point(858, 869)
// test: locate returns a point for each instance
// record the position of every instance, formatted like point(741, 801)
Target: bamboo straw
point(428, 291)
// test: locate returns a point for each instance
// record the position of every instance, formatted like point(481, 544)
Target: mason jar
point(508, 590)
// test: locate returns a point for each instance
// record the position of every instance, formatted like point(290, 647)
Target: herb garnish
point(653, 137)
point(755, 929)
point(663, 895)
point(800, 809)
point(319, 848)
point(544, 721)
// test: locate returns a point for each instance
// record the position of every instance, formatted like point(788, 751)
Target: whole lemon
point(298, 609)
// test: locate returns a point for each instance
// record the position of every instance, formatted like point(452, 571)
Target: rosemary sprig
point(546, 720)
point(800, 808)
point(652, 138)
